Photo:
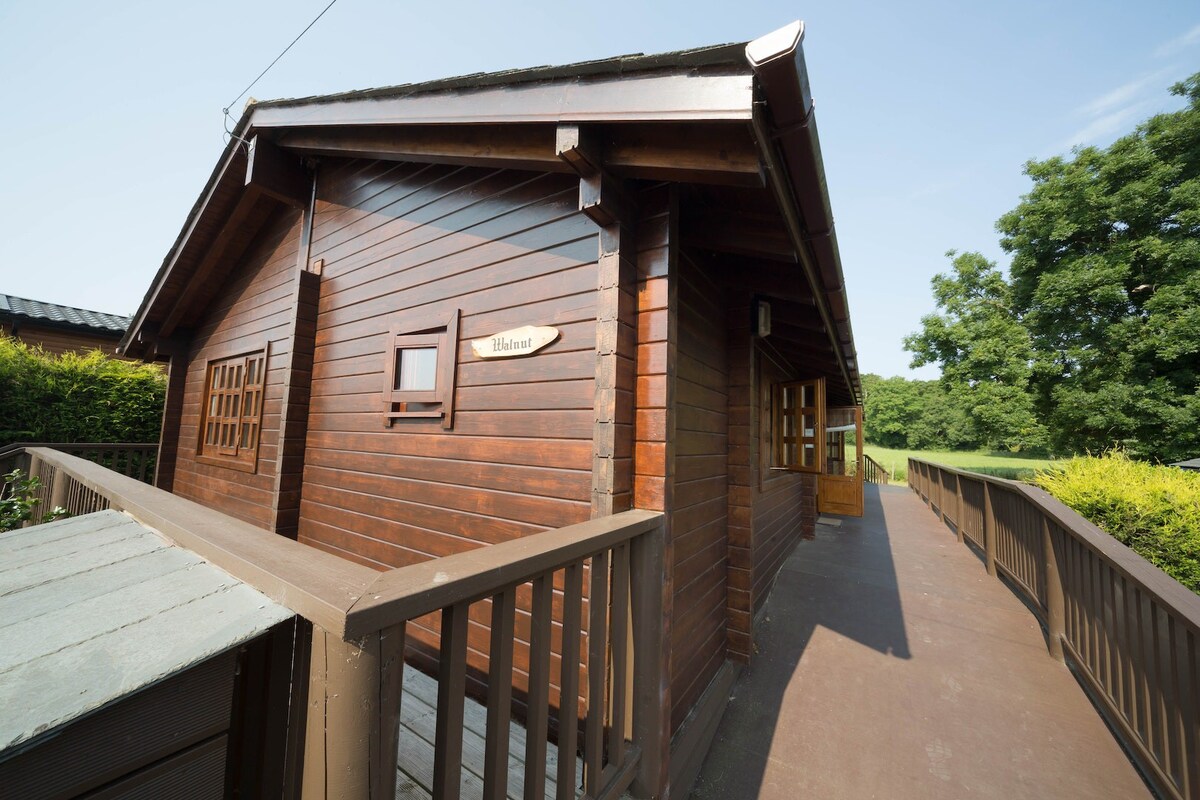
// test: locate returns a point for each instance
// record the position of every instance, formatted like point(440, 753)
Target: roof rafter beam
point(718, 154)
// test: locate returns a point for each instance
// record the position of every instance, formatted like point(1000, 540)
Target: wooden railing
point(1128, 630)
point(875, 472)
point(359, 617)
point(128, 458)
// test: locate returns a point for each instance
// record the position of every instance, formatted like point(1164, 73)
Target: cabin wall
point(784, 507)
point(770, 511)
point(699, 512)
point(58, 341)
point(406, 243)
point(253, 310)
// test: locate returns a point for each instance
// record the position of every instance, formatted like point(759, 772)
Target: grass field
point(1003, 465)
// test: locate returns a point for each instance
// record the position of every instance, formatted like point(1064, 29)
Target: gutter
point(786, 132)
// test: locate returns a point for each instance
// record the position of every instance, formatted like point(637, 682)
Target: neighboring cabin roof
point(19, 309)
point(97, 607)
point(1193, 463)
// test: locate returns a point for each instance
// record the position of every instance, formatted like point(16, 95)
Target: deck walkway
point(891, 666)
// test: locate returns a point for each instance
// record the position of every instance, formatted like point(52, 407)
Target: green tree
point(984, 352)
point(916, 415)
point(1106, 277)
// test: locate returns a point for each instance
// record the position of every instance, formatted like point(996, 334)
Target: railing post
point(989, 530)
point(651, 677)
point(941, 494)
point(1055, 622)
point(353, 723)
point(58, 491)
point(958, 513)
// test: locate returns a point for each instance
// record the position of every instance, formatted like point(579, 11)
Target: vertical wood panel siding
point(252, 311)
point(698, 636)
point(409, 243)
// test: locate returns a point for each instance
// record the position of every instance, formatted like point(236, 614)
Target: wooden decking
point(418, 717)
point(891, 665)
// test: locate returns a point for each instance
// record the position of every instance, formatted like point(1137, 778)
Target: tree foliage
point(76, 398)
point(914, 415)
point(984, 352)
point(1106, 278)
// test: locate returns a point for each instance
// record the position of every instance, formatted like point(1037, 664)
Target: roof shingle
point(21, 308)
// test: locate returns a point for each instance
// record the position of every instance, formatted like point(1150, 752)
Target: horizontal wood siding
point(405, 242)
point(408, 244)
point(698, 635)
point(58, 341)
point(744, 446)
point(785, 505)
point(252, 311)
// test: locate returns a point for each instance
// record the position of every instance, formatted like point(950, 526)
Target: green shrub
point(18, 502)
point(1154, 510)
point(76, 398)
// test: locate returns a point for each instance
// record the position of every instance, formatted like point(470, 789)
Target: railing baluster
point(593, 740)
point(452, 684)
point(499, 703)
point(568, 703)
point(537, 719)
point(1055, 625)
point(620, 654)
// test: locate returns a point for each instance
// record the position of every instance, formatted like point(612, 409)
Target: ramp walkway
point(891, 666)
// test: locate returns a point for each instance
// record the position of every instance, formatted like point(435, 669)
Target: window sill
point(227, 462)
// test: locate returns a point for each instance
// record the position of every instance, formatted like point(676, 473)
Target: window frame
point(780, 411)
point(233, 455)
point(437, 403)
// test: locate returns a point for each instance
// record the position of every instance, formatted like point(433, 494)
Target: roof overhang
point(742, 112)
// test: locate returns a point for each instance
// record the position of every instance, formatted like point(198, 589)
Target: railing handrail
point(1128, 630)
point(409, 592)
point(1168, 591)
point(887, 475)
point(359, 617)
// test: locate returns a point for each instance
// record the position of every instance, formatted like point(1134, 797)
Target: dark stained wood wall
point(405, 243)
point(744, 446)
point(785, 505)
point(770, 511)
point(59, 341)
point(414, 242)
point(253, 310)
point(698, 636)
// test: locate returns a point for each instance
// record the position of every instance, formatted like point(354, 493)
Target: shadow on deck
point(891, 665)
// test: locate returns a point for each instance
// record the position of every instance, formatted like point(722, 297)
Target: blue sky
point(926, 110)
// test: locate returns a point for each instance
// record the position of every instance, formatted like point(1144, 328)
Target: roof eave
point(788, 136)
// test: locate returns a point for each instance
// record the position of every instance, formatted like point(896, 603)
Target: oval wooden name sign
point(517, 342)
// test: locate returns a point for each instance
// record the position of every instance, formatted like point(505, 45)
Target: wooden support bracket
point(601, 196)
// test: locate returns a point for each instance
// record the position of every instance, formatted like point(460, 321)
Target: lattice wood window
point(232, 420)
point(421, 369)
point(799, 425)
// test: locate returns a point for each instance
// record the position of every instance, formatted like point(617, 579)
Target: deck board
point(891, 665)
point(418, 717)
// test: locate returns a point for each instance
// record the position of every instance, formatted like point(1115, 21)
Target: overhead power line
point(225, 110)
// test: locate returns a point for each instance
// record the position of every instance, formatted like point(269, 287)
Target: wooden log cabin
point(60, 329)
point(410, 322)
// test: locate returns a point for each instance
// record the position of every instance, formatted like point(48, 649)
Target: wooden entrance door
point(840, 485)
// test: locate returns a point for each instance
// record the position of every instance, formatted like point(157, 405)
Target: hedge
point(76, 398)
point(1154, 510)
